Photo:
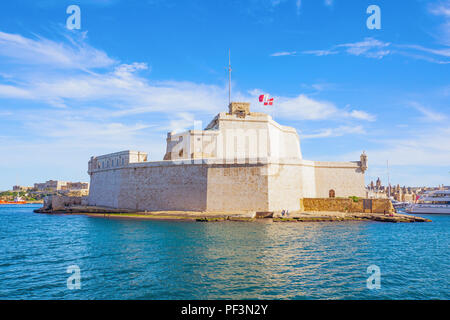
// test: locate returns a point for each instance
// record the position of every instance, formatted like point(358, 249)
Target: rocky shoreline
point(313, 216)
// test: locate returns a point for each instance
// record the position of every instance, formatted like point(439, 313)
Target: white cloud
point(184, 122)
point(373, 48)
point(298, 5)
point(428, 115)
point(428, 147)
point(441, 8)
point(8, 91)
point(124, 93)
point(75, 54)
point(334, 132)
point(439, 52)
point(362, 115)
point(320, 53)
point(284, 53)
point(369, 47)
point(303, 107)
point(425, 149)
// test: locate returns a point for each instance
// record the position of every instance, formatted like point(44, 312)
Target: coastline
point(311, 216)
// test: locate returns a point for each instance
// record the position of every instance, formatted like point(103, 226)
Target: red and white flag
point(268, 101)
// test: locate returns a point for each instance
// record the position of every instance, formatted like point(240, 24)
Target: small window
point(331, 193)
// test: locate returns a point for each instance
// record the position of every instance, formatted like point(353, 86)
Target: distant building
point(56, 185)
point(402, 194)
point(72, 186)
point(50, 185)
point(21, 188)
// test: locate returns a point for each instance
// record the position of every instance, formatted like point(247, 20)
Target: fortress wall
point(237, 188)
point(285, 187)
point(308, 177)
point(345, 178)
point(182, 187)
point(159, 188)
point(104, 188)
point(214, 186)
point(284, 142)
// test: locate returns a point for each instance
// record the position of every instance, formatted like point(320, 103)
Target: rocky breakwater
point(62, 203)
point(324, 216)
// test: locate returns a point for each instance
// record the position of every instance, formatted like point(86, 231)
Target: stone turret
point(363, 159)
point(241, 109)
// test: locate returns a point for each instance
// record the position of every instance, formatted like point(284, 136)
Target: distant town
point(39, 191)
point(402, 194)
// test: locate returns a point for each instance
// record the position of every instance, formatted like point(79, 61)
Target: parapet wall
point(61, 203)
point(347, 205)
point(344, 178)
point(173, 186)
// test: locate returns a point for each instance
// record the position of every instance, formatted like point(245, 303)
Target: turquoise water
point(131, 259)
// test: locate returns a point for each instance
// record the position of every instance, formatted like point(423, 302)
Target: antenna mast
point(229, 76)
point(389, 183)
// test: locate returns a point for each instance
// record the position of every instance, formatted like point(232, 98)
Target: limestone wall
point(285, 187)
point(150, 187)
point(308, 177)
point(116, 160)
point(168, 185)
point(382, 205)
point(346, 205)
point(230, 136)
point(345, 178)
point(237, 187)
point(216, 185)
point(60, 203)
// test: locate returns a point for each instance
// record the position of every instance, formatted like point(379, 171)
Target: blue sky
point(137, 69)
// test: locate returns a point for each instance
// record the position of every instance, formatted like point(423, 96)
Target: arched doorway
point(331, 193)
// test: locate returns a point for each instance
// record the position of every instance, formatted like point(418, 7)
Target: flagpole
point(229, 76)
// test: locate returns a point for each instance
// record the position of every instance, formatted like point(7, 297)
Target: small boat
point(17, 200)
point(433, 202)
point(399, 204)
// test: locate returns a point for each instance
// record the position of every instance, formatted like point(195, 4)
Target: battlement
point(116, 160)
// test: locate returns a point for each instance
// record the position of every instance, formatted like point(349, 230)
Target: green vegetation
point(354, 198)
point(27, 196)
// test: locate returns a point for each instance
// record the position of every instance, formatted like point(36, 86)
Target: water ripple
point(127, 259)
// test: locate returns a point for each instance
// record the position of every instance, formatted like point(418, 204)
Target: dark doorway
point(331, 193)
point(367, 204)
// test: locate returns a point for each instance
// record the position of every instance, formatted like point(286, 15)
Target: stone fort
point(242, 161)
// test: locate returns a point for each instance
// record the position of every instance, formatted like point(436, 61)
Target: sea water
point(140, 259)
